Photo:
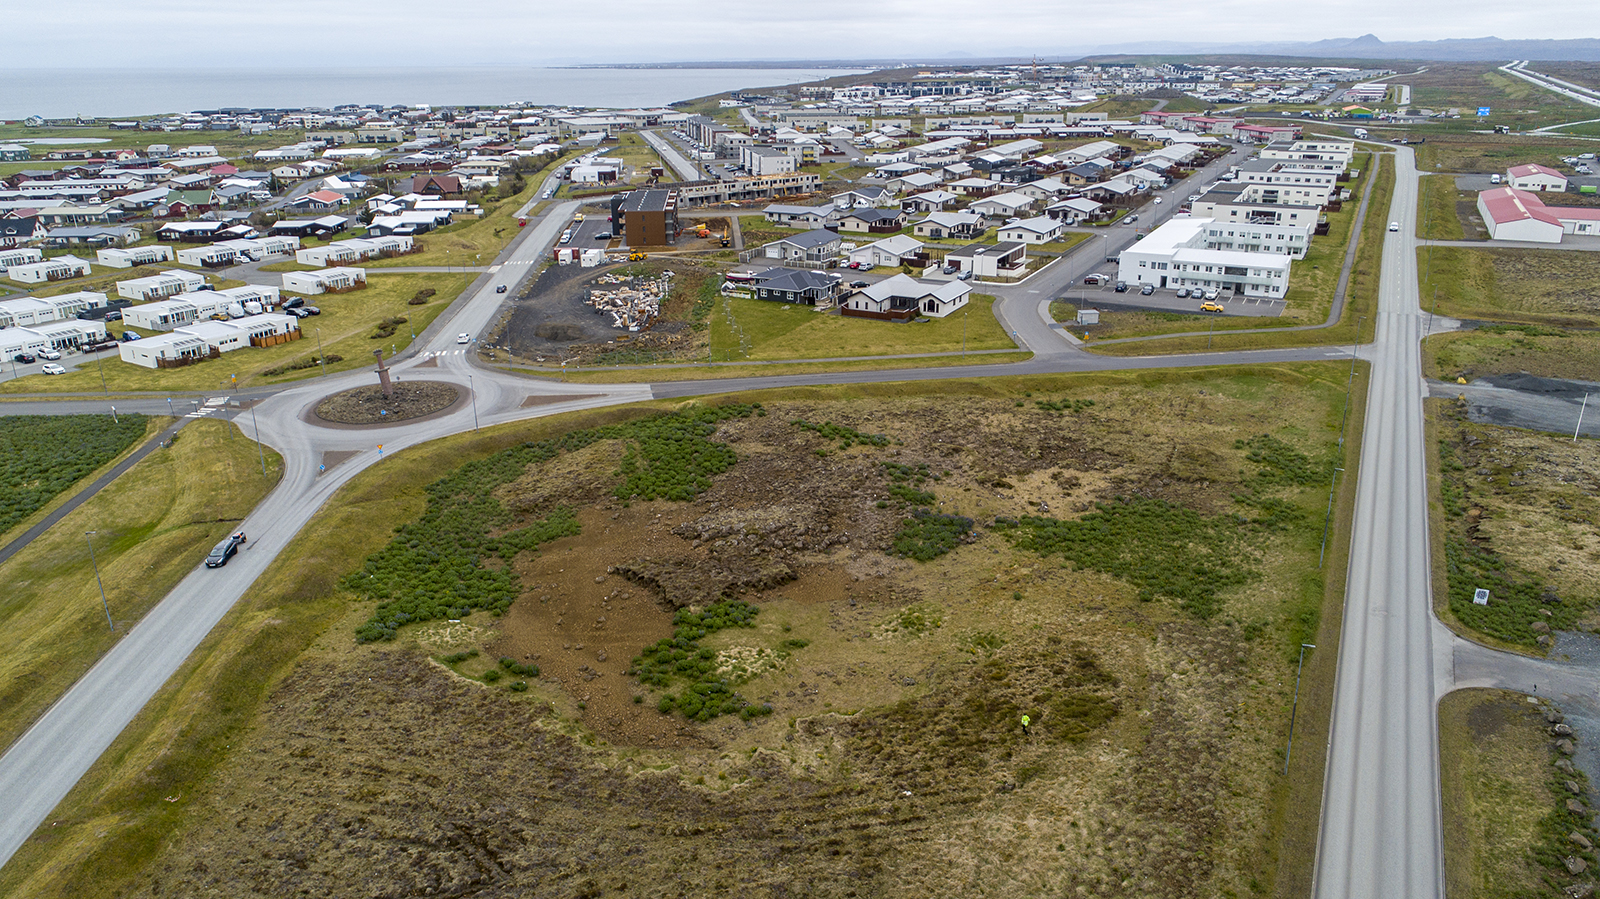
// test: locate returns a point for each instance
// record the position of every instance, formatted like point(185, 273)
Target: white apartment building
point(128, 257)
point(169, 283)
point(328, 279)
point(1289, 183)
point(60, 268)
point(1175, 255)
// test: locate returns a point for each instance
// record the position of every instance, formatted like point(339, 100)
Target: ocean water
point(59, 93)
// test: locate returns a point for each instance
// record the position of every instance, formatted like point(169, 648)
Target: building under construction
point(646, 218)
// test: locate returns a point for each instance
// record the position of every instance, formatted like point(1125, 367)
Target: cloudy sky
point(205, 33)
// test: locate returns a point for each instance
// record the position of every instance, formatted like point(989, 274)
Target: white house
point(798, 216)
point(1534, 176)
point(58, 335)
point(952, 225)
point(21, 256)
point(325, 280)
point(31, 311)
point(161, 315)
point(1075, 210)
point(156, 287)
point(1174, 256)
point(60, 268)
point(119, 257)
point(1039, 229)
point(355, 250)
point(1006, 259)
point(901, 298)
point(888, 251)
point(1003, 205)
point(207, 339)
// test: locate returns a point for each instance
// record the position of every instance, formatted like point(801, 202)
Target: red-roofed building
point(1512, 214)
point(1534, 176)
point(322, 199)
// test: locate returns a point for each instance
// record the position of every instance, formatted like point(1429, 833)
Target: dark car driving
point(222, 552)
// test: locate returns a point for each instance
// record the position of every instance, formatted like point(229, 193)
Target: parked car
point(52, 355)
point(1494, 179)
point(222, 552)
point(1095, 278)
point(463, 338)
point(965, 275)
point(129, 337)
point(1122, 287)
point(854, 265)
point(1213, 293)
point(1133, 218)
point(500, 289)
point(1148, 289)
point(114, 315)
point(858, 284)
point(1183, 292)
point(24, 358)
point(293, 303)
point(1209, 306)
point(1158, 201)
point(298, 312)
point(51, 368)
point(312, 310)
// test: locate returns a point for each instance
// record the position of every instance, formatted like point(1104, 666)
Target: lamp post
point(170, 413)
point(98, 583)
point(1296, 706)
point(320, 357)
point(257, 429)
point(1327, 519)
point(474, 395)
point(98, 363)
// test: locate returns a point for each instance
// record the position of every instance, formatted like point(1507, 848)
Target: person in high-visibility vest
point(1025, 721)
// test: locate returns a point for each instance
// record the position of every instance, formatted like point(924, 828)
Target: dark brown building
point(646, 218)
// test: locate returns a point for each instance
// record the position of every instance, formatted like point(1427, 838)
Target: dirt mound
point(679, 583)
point(367, 405)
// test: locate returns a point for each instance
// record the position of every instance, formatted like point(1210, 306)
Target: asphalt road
point(1380, 831)
point(669, 154)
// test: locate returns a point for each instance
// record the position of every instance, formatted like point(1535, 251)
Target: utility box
point(1088, 316)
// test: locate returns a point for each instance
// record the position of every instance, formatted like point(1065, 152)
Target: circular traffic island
point(409, 400)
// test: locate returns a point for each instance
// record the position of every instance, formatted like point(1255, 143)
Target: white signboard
point(1480, 597)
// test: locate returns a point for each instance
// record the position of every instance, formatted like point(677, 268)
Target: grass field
point(1508, 349)
point(1467, 86)
point(1551, 287)
point(1171, 791)
point(151, 527)
point(346, 325)
point(1437, 202)
point(1489, 153)
point(42, 456)
point(1505, 822)
point(754, 370)
point(230, 144)
point(761, 330)
point(1142, 323)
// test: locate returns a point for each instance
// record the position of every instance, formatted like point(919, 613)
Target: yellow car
point(1209, 306)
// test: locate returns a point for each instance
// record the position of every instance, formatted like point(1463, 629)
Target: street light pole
point(102, 366)
point(98, 583)
point(474, 394)
point(320, 357)
point(1296, 707)
point(257, 429)
point(1327, 519)
point(170, 413)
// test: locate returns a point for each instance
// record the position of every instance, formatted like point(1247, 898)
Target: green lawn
point(1554, 287)
point(345, 325)
point(763, 330)
point(1436, 208)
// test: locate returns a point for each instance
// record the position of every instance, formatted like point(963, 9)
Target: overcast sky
point(206, 33)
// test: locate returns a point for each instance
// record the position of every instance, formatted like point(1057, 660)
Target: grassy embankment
point(151, 528)
point(1311, 290)
point(347, 324)
point(1507, 824)
point(759, 330)
point(1437, 208)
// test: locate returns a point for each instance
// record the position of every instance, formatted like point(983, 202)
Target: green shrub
point(682, 658)
point(520, 686)
point(492, 675)
point(927, 535)
point(517, 668)
point(1515, 594)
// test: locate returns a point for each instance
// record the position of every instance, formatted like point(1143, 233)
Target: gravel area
point(367, 405)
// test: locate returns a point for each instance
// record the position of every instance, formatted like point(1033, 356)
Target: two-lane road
point(1380, 832)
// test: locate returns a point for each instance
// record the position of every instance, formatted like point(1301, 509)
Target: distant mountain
point(1369, 46)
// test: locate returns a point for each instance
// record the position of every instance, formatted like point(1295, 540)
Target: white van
point(1494, 179)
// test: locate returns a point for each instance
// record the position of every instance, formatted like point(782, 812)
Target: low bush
point(1516, 596)
point(517, 668)
point(847, 437)
point(302, 364)
point(387, 327)
point(682, 658)
point(41, 456)
point(926, 535)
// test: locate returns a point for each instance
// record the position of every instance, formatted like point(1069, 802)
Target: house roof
point(1012, 199)
point(952, 219)
point(874, 215)
point(898, 244)
point(1040, 224)
point(795, 279)
point(1528, 170)
point(810, 239)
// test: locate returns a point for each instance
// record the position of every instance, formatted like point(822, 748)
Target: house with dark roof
point(436, 185)
point(806, 288)
point(16, 232)
point(873, 221)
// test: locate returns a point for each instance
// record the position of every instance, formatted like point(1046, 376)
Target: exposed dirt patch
point(408, 400)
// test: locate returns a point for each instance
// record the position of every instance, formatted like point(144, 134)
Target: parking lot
point(1106, 297)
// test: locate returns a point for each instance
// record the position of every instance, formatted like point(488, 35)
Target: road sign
point(1480, 597)
point(1483, 111)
